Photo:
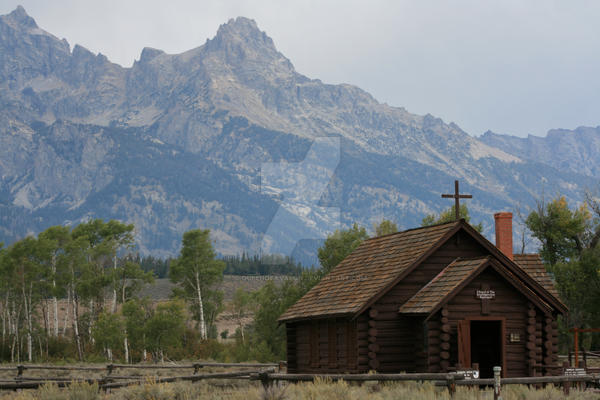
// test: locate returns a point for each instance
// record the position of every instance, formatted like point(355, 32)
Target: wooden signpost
point(576, 331)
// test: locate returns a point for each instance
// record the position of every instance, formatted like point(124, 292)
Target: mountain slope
point(569, 150)
point(186, 140)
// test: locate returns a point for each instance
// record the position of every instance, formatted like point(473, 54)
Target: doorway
point(481, 340)
point(486, 346)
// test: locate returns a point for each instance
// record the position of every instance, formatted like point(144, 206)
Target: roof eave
point(556, 303)
point(281, 320)
point(460, 287)
point(410, 268)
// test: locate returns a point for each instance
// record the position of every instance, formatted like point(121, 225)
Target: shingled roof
point(532, 264)
point(451, 277)
point(366, 272)
point(456, 276)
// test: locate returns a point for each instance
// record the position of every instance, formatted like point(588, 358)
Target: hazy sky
point(519, 67)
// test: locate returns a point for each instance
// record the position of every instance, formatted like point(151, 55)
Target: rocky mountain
point(228, 136)
point(568, 150)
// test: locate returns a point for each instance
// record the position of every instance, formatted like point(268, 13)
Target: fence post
point(531, 367)
point(497, 383)
point(576, 330)
point(565, 384)
point(264, 379)
point(581, 385)
point(451, 384)
point(20, 369)
point(566, 387)
point(109, 369)
point(197, 368)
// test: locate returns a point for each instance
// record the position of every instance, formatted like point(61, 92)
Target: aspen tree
point(196, 271)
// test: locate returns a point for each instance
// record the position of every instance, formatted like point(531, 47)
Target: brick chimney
point(504, 237)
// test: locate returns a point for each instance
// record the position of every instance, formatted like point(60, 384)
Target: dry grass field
point(244, 390)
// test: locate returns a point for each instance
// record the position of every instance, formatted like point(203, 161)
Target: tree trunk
point(40, 345)
point(46, 317)
point(76, 327)
point(114, 302)
point(67, 308)
point(54, 299)
point(55, 306)
point(126, 346)
point(4, 318)
point(200, 308)
point(12, 349)
point(28, 318)
point(93, 318)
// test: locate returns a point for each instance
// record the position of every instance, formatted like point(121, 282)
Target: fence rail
point(450, 380)
point(109, 368)
point(267, 375)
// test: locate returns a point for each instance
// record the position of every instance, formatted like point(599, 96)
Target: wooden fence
point(450, 380)
point(267, 375)
point(111, 380)
point(582, 357)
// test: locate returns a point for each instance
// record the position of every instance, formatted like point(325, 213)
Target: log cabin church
point(430, 299)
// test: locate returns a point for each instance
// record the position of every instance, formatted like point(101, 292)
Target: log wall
point(323, 346)
point(381, 339)
point(521, 319)
point(401, 339)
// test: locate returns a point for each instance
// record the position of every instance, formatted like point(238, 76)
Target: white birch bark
point(76, 327)
point(92, 319)
point(27, 305)
point(200, 308)
point(126, 345)
point(55, 306)
point(54, 299)
point(114, 302)
point(67, 309)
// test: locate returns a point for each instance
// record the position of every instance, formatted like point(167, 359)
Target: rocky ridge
point(178, 141)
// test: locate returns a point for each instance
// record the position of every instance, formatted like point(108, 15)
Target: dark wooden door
point(464, 343)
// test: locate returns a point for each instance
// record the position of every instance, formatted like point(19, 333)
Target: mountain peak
point(242, 30)
point(240, 25)
point(149, 53)
point(20, 17)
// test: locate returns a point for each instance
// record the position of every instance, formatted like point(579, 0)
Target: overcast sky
point(518, 67)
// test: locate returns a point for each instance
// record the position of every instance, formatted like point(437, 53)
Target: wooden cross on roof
point(457, 196)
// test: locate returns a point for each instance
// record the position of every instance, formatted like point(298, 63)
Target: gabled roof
point(451, 277)
point(532, 264)
point(518, 271)
point(454, 278)
point(380, 263)
point(370, 269)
